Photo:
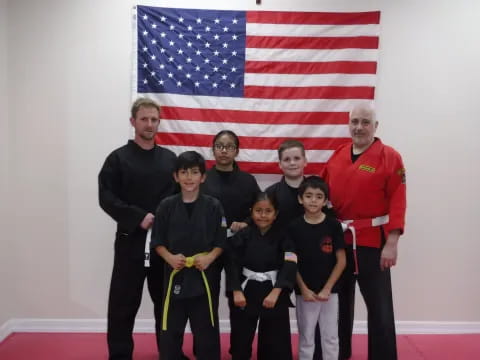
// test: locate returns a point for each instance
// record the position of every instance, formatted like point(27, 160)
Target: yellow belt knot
point(189, 262)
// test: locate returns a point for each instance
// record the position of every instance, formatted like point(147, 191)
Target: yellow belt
point(188, 263)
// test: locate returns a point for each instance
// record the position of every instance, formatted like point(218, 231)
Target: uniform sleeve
point(220, 226)
point(233, 268)
point(396, 192)
point(160, 226)
point(338, 238)
point(287, 273)
point(128, 216)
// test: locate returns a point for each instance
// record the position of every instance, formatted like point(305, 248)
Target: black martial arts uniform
point(260, 253)
point(190, 234)
point(132, 182)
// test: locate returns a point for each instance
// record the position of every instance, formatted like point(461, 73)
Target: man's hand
point(388, 257)
point(147, 221)
point(177, 261)
point(239, 299)
point(202, 262)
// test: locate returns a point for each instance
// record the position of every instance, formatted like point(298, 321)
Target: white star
point(234, 69)
point(179, 67)
point(145, 49)
point(199, 21)
point(215, 69)
point(198, 36)
point(162, 66)
point(217, 21)
point(154, 41)
point(170, 59)
point(163, 19)
point(172, 27)
point(234, 37)
point(189, 60)
point(163, 34)
point(179, 83)
point(145, 33)
point(170, 75)
point(234, 53)
point(153, 57)
point(205, 76)
point(171, 43)
point(207, 61)
point(207, 45)
point(224, 61)
point(145, 81)
point(198, 52)
point(189, 44)
point(154, 25)
point(225, 45)
point(214, 85)
point(197, 84)
point(232, 85)
point(180, 36)
point(145, 65)
point(224, 77)
point(188, 76)
point(190, 28)
point(207, 28)
point(234, 21)
point(216, 52)
point(152, 73)
point(216, 37)
point(180, 19)
point(145, 17)
point(225, 29)
point(197, 68)
point(180, 52)
point(160, 82)
point(162, 50)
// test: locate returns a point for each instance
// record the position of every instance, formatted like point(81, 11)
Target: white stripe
point(256, 29)
point(310, 55)
point(233, 103)
point(262, 130)
point(310, 80)
point(254, 154)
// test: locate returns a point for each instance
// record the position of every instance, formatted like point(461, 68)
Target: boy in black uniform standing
point(132, 182)
point(189, 234)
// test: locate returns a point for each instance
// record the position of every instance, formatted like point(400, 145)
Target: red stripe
point(282, 42)
point(313, 18)
point(333, 67)
point(253, 117)
point(311, 92)
point(271, 167)
point(248, 142)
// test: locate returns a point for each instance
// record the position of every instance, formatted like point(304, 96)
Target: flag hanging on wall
point(266, 75)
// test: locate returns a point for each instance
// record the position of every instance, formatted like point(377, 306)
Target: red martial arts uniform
point(364, 188)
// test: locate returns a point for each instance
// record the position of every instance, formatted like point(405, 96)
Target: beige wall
point(67, 70)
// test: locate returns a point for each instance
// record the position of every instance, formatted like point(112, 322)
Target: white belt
point(259, 276)
point(148, 240)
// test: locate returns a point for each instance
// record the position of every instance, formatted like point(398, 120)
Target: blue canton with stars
point(191, 52)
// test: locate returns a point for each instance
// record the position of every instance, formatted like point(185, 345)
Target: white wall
point(68, 90)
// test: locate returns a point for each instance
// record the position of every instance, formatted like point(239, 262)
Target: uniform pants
point(325, 315)
point(126, 288)
point(205, 336)
point(274, 341)
point(376, 288)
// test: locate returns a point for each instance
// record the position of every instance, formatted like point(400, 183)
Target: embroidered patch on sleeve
point(290, 256)
point(402, 174)
point(224, 222)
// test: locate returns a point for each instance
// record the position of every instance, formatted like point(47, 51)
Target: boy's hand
point(147, 221)
point(239, 299)
point(236, 226)
point(202, 262)
point(177, 261)
point(308, 295)
point(323, 295)
point(271, 299)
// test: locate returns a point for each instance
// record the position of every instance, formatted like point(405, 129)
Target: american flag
point(266, 75)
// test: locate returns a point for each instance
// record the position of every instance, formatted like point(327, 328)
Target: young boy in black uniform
point(189, 234)
point(320, 249)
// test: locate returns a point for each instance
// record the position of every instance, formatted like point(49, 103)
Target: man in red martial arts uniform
point(368, 193)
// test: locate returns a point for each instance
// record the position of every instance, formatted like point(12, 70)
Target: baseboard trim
point(147, 326)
